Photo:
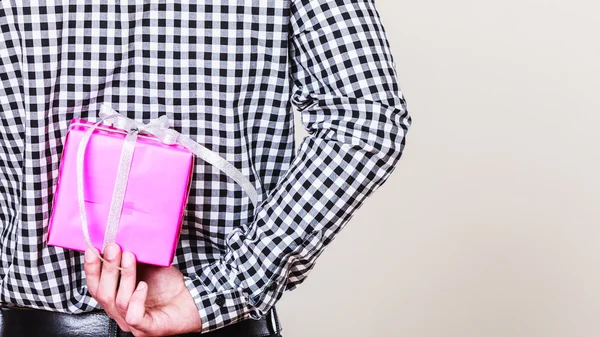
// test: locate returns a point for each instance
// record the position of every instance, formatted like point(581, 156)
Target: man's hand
point(147, 301)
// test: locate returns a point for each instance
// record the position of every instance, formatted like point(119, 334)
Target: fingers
point(136, 316)
point(92, 267)
point(107, 287)
point(103, 281)
point(127, 283)
point(109, 277)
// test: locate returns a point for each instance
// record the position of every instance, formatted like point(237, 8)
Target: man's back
point(227, 88)
point(227, 74)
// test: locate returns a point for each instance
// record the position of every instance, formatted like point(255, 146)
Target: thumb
point(137, 317)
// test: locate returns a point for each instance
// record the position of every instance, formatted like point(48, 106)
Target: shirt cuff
point(219, 308)
point(223, 296)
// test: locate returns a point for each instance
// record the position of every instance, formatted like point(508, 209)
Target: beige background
point(490, 226)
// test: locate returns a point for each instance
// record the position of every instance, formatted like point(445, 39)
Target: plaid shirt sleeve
point(344, 85)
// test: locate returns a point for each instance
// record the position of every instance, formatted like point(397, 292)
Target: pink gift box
point(155, 196)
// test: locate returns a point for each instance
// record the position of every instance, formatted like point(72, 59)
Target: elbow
point(386, 136)
point(360, 125)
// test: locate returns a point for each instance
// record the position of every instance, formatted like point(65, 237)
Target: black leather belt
point(39, 323)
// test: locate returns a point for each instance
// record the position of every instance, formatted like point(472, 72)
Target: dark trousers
point(39, 323)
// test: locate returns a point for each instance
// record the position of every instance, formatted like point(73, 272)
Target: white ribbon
point(158, 127)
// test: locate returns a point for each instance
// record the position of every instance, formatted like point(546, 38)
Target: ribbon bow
point(160, 128)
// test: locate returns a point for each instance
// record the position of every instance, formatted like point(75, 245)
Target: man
point(227, 74)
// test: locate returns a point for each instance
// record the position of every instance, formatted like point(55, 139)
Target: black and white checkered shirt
point(227, 73)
